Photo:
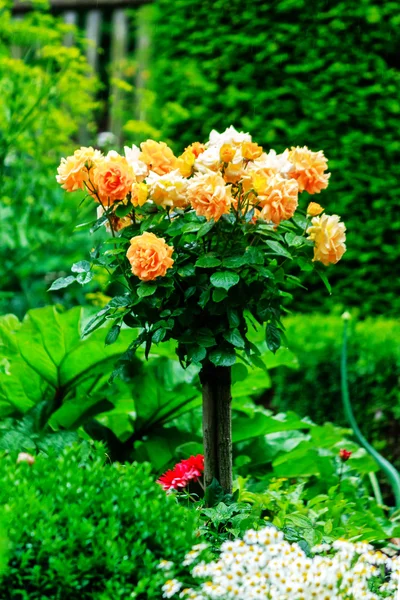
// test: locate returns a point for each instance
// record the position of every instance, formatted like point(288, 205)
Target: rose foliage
point(204, 243)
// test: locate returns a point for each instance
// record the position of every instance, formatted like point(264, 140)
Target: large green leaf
point(261, 423)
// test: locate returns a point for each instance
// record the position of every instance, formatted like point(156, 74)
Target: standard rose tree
point(202, 243)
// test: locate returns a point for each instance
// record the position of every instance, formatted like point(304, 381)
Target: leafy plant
point(90, 529)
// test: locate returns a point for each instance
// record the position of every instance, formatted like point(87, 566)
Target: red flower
point(187, 470)
point(344, 455)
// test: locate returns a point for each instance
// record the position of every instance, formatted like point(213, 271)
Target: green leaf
point(196, 353)
point(120, 301)
point(233, 318)
point(254, 256)
point(187, 271)
point(239, 372)
point(224, 279)
point(305, 265)
point(273, 337)
point(191, 227)
point(204, 297)
point(233, 336)
point(84, 278)
point(222, 357)
point(146, 289)
point(113, 334)
point(300, 221)
point(294, 240)
point(324, 279)
point(159, 335)
point(123, 209)
point(204, 337)
point(83, 266)
point(234, 262)
point(219, 294)
point(176, 227)
point(208, 261)
point(205, 228)
point(62, 282)
point(277, 248)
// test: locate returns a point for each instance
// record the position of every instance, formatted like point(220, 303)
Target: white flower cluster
point(264, 566)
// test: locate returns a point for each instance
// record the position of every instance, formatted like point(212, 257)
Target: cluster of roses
point(228, 173)
point(185, 471)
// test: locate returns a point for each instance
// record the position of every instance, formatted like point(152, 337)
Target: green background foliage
point(324, 74)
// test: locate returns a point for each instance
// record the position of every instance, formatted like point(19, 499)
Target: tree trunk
point(217, 425)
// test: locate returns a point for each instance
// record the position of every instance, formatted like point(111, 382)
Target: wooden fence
point(108, 28)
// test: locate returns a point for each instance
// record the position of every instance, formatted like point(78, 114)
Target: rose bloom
point(314, 209)
point(150, 256)
point(233, 173)
point(277, 197)
point(140, 168)
point(73, 171)
point(271, 163)
point(227, 153)
point(344, 455)
point(329, 237)
point(168, 190)
point(113, 179)
point(309, 169)
point(197, 148)
point(251, 150)
point(139, 194)
point(186, 163)
point(25, 457)
point(209, 195)
point(158, 157)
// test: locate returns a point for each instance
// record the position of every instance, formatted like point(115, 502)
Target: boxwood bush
point(293, 72)
point(80, 528)
point(374, 370)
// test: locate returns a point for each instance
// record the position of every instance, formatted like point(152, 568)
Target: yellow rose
point(251, 150)
point(186, 163)
point(150, 256)
point(309, 169)
point(140, 193)
point(329, 237)
point(197, 148)
point(209, 195)
point(314, 209)
point(227, 153)
point(158, 157)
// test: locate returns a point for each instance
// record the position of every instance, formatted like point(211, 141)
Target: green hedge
point(293, 72)
point(80, 529)
point(374, 371)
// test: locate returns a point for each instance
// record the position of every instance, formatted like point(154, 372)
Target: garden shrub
point(80, 528)
point(374, 369)
point(319, 73)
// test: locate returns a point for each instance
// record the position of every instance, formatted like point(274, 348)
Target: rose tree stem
point(217, 425)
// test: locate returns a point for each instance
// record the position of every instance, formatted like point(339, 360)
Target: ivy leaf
point(233, 337)
point(112, 335)
point(208, 261)
point(273, 337)
point(222, 357)
point(146, 289)
point(277, 248)
point(83, 266)
point(61, 282)
point(224, 279)
point(205, 228)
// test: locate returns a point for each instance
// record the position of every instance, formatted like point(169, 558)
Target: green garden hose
point(390, 471)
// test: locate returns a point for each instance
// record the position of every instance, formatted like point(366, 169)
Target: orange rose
point(314, 209)
point(150, 256)
point(158, 157)
point(209, 195)
point(309, 169)
point(251, 150)
point(329, 237)
point(197, 148)
point(73, 171)
point(227, 153)
point(277, 197)
point(113, 179)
